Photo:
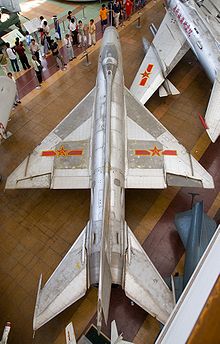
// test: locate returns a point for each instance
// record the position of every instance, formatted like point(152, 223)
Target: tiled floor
point(38, 226)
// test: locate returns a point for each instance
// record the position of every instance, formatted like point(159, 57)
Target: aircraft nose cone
point(110, 35)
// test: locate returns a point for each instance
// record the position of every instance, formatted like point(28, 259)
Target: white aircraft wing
point(62, 160)
point(7, 99)
point(168, 47)
point(143, 283)
point(66, 285)
point(212, 116)
point(155, 159)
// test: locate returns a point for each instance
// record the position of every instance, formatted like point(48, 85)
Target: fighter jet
point(196, 230)
point(7, 99)
point(108, 142)
point(187, 24)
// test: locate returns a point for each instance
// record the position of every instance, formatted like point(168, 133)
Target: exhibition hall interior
point(109, 171)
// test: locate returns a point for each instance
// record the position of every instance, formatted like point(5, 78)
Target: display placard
point(11, 36)
point(32, 25)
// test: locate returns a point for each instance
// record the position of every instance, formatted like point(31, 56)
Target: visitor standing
point(12, 57)
point(92, 32)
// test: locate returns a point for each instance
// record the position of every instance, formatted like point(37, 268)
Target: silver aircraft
point(187, 24)
point(7, 99)
point(108, 142)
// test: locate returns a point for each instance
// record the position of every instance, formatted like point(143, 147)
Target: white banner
point(32, 25)
point(10, 37)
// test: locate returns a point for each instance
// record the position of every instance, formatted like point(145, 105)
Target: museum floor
point(39, 226)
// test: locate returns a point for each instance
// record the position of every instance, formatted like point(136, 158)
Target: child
point(92, 32)
point(28, 38)
point(81, 34)
point(38, 70)
point(17, 100)
point(69, 48)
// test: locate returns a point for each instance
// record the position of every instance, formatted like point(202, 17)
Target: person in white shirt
point(12, 57)
point(73, 30)
point(42, 19)
point(92, 32)
point(35, 49)
point(38, 70)
point(69, 48)
point(17, 99)
point(46, 29)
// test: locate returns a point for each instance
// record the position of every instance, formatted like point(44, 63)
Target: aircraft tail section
point(212, 116)
point(66, 285)
point(115, 337)
point(143, 283)
point(105, 278)
point(167, 88)
point(104, 292)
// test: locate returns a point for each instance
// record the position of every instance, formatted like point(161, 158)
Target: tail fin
point(104, 293)
point(167, 88)
point(143, 283)
point(115, 338)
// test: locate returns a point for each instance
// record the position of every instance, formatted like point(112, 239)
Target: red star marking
point(142, 152)
point(146, 74)
point(155, 151)
point(62, 152)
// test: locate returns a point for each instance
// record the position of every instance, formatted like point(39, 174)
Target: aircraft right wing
point(212, 116)
point(143, 283)
point(67, 284)
point(168, 47)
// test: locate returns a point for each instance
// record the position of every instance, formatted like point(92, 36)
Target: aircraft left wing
point(155, 159)
point(212, 116)
point(167, 48)
point(7, 99)
point(62, 160)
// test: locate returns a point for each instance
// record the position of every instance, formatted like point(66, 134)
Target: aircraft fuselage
point(200, 34)
point(108, 163)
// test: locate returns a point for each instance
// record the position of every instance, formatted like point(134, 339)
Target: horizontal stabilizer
point(143, 283)
point(66, 285)
point(212, 116)
point(167, 88)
